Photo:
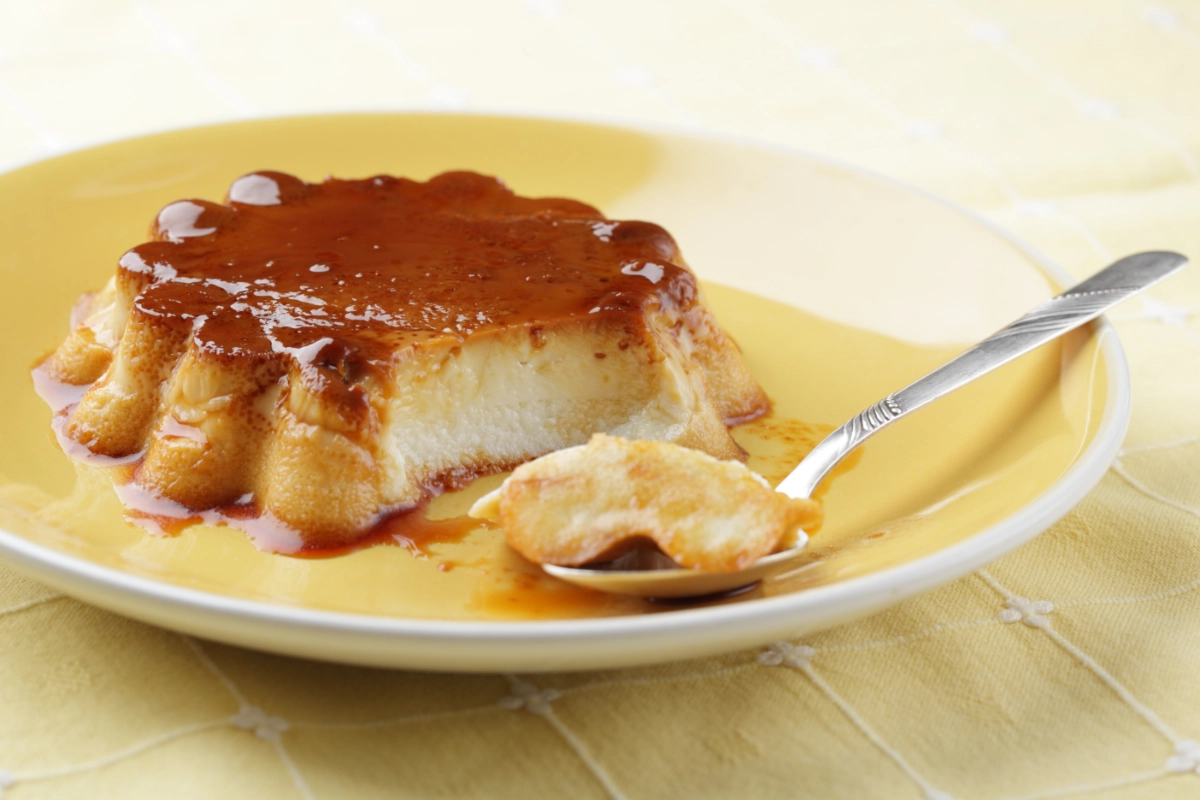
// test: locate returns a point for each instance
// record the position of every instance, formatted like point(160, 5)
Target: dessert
point(329, 353)
point(596, 501)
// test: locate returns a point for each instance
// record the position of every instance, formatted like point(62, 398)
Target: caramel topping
point(342, 272)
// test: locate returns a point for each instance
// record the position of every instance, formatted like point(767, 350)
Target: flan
point(595, 501)
point(332, 352)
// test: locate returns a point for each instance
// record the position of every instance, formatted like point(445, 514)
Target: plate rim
point(703, 630)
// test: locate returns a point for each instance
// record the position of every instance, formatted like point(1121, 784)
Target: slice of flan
point(339, 350)
point(601, 499)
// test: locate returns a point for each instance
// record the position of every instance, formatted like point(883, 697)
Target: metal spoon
point(1084, 302)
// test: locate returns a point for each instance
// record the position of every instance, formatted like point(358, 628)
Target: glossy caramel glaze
point(338, 274)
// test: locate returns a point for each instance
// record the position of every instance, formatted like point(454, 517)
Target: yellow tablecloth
point(1068, 668)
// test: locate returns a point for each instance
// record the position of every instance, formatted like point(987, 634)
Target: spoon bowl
point(673, 582)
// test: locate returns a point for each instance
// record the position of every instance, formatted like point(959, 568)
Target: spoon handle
point(1083, 302)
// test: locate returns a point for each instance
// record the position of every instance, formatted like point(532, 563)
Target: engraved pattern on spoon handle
point(1074, 307)
point(872, 419)
point(1060, 314)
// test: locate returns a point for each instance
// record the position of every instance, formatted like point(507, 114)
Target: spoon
point(655, 575)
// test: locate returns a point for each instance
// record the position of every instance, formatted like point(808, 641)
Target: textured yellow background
point(1069, 668)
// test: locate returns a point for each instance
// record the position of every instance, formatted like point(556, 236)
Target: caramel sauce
point(409, 528)
point(338, 274)
point(62, 397)
point(777, 444)
point(525, 592)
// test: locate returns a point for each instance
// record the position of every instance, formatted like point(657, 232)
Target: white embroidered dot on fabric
point(819, 58)
point(923, 131)
point(1161, 17)
point(1032, 613)
point(634, 76)
point(784, 654)
point(6, 780)
point(1038, 208)
point(527, 696)
point(264, 725)
point(1100, 109)
point(1157, 311)
point(796, 656)
point(1186, 757)
point(990, 33)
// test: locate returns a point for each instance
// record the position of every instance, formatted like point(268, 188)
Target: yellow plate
point(840, 287)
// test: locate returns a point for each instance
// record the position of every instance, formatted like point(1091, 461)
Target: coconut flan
point(332, 352)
